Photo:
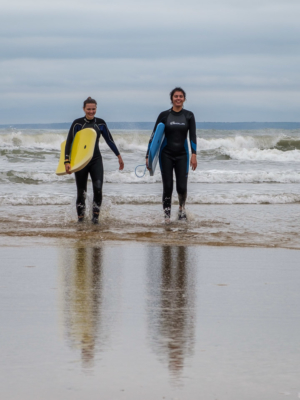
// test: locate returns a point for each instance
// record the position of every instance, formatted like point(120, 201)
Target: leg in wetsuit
point(95, 169)
point(179, 162)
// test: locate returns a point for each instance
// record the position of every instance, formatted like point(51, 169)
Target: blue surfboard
point(155, 145)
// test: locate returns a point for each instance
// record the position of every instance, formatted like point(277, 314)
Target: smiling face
point(90, 110)
point(178, 99)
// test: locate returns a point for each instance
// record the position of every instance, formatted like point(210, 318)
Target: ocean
point(245, 190)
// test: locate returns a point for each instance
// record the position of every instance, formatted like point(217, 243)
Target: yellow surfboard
point(82, 151)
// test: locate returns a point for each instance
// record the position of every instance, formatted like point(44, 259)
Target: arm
point(193, 141)
point(75, 127)
point(110, 141)
point(193, 136)
point(108, 138)
point(69, 141)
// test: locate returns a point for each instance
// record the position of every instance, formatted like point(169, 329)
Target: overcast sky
point(238, 60)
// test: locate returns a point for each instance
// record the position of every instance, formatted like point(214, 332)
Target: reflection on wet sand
point(82, 287)
point(171, 305)
point(91, 294)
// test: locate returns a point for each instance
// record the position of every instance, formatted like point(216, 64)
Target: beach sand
point(84, 318)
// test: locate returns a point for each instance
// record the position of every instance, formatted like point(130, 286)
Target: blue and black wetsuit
point(94, 167)
point(174, 153)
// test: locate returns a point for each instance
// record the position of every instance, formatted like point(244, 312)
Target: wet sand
point(92, 319)
point(251, 225)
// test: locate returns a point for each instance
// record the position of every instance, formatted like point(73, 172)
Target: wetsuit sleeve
point(193, 136)
point(70, 139)
point(109, 139)
point(159, 119)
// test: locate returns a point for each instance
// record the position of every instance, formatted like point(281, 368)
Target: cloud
point(237, 60)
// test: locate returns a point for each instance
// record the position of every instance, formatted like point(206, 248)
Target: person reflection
point(83, 301)
point(172, 308)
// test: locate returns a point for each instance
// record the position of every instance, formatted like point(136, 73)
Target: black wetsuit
point(174, 153)
point(94, 167)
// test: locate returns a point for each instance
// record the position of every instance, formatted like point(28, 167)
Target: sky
point(238, 60)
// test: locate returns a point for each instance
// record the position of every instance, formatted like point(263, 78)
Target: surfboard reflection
point(171, 305)
point(82, 286)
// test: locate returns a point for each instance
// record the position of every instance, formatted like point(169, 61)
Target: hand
point(121, 163)
point(147, 164)
point(194, 162)
point(68, 167)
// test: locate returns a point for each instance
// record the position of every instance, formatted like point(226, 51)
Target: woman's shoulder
point(188, 113)
point(78, 121)
point(164, 114)
point(100, 121)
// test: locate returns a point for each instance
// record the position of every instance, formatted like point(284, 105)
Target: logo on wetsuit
point(177, 123)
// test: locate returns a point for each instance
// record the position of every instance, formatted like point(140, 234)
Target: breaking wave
point(253, 148)
point(276, 147)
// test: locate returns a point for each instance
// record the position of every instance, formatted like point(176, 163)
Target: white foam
point(212, 176)
point(199, 176)
point(202, 198)
point(212, 198)
point(128, 142)
point(253, 176)
point(27, 177)
point(32, 141)
point(130, 177)
point(244, 198)
point(238, 142)
point(251, 148)
point(28, 200)
point(263, 155)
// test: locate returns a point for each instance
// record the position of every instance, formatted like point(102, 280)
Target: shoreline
point(94, 237)
point(253, 226)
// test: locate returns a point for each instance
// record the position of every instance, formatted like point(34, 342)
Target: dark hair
point(88, 101)
point(177, 89)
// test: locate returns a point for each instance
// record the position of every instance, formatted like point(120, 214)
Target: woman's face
point(178, 99)
point(90, 110)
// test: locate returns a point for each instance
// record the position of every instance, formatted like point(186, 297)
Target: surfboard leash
point(140, 176)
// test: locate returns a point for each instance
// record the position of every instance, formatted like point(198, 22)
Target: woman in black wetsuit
point(95, 166)
point(174, 151)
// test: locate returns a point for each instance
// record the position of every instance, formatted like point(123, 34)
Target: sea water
point(244, 191)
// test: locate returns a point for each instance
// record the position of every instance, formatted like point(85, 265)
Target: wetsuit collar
point(89, 120)
point(175, 112)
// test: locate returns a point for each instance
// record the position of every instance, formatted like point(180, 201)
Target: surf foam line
point(199, 176)
point(27, 200)
point(34, 177)
point(232, 198)
point(205, 198)
point(212, 176)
